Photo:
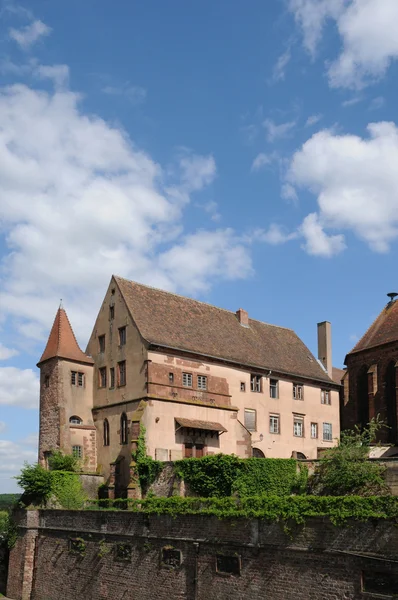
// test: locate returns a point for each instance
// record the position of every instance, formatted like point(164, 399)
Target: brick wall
point(124, 556)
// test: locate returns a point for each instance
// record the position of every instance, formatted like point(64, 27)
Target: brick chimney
point(243, 317)
point(325, 345)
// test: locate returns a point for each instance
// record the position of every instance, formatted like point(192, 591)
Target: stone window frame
point(313, 424)
point(277, 418)
point(111, 312)
point(202, 382)
point(298, 420)
point(236, 571)
point(187, 380)
point(121, 373)
point(111, 378)
point(124, 429)
point(329, 436)
point(326, 396)
point(101, 343)
point(274, 386)
point(250, 411)
point(75, 420)
point(77, 378)
point(106, 433)
point(102, 377)
point(77, 451)
point(171, 377)
point(298, 391)
point(256, 383)
point(122, 335)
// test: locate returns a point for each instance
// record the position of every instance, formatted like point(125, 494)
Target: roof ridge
point(373, 323)
point(151, 287)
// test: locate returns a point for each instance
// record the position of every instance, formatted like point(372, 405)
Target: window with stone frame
point(255, 383)
point(242, 386)
point(327, 432)
point(314, 430)
point(298, 426)
point(122, 336)
point(123, 429)
point(274, 424)
point(77, 378)
point(202, 382)
point(102, 377)
point(298, 391)
point(121, 368)
point(106, 432)
point(75, 420)
point(326, 397)
point(112, 377)
point(274, 388)
point(187, 379)
point(250, 416)
point(101, 343)
point(77, 451)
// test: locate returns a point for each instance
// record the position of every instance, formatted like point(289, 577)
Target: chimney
point(243, 317)
point(325, 345)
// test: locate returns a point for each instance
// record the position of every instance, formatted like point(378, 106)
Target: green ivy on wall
point(148, 468)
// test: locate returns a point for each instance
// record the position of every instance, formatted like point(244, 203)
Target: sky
point(241, 153)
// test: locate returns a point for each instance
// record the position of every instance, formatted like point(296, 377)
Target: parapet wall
point(121, 555)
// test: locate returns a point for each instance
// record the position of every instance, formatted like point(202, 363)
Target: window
point(101, 343)
point(47, 381)
point(171, 557)
point(77, 378)
point(384, 583)
point(123, 552)
point(77, 545)
point(273, 388)
point(187, 379)
point(250, 419)
point(111, 313)
point(112, 377)
point(298, 426)
point(123, 429)
point(327, 432)
point(106, 432)
point(122, 336)
point(73, 377)
point(255, 383)
point(242, 386)
point(325, 397)
point(274, 421)
point(298, 391)
point(77, 451)
point(202, 382)
point(228, 564)
point(80, 379)
point(171, 377)
point(75, 420)
point(121, 373)
point(314, 430)
point(102, 377)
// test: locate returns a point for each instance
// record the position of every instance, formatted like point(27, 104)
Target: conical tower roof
point(62, 342)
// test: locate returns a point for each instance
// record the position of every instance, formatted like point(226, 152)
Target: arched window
point(75, 420)
point(257, 453)
point(106, 432)
point(123, 429)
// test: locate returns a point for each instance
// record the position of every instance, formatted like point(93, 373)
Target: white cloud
point(317, 242)
point(19, 387)
point(280, 66)
point(79, 201)
point(377, 103)
point(275, 132)
point(59, 74)
point(28, 35)
point(275, 235)
point(288, 192)
point(351, 101)
point(262, 160)
point(367, 29)
point(211, 208)
point(313, 120)
point(6, 353)
point(12, 458)
point(31, 440)
point(134, 93)
point(355, 181)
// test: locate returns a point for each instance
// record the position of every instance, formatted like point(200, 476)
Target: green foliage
point(8, 500)
point(67, 489)
point(8, 530)
point(40, 485)
point(58, 461)
point(148, 469)
point(345, 469)
point(36, 483)
point(284, 509)
point(222, 475)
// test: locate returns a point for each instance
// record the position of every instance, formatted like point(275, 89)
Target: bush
point(210, 476)
point(67, 490)
point(58, 461)
point(346, 469)
point(40, 485)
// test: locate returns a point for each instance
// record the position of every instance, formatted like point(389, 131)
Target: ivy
point(223, 475)
point(148, 469)
point(283, 509)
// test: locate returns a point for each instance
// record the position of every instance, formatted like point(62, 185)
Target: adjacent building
point(200, 379)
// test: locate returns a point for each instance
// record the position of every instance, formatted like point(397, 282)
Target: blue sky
point(241, 153)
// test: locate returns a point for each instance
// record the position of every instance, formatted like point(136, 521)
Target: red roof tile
point(382, 331)
point(173, 321)
point(62, 342)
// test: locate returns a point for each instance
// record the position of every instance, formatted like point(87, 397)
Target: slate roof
point(172, 321)
point(62, 342)
point(383, 330)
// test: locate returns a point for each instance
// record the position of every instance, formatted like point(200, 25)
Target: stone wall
point(122, 556)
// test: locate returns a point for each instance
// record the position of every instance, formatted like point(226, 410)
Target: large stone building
point(371, 379)
point(200, 379)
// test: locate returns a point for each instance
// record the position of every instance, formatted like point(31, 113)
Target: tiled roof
point(337, 375)
point(62, 342)
point(196, 424)
point(382, 331)
point(173, 321)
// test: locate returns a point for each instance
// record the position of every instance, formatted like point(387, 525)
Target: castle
point(200, 379)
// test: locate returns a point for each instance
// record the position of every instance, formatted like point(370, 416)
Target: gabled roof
point(175, 322)
point(337, 375)
point(382, 331)
point(62, 342)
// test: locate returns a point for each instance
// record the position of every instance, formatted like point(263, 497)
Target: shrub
point(36, 483)
point(346, 469)
point(67, 490)
point(210, 476)
point(58, 461)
